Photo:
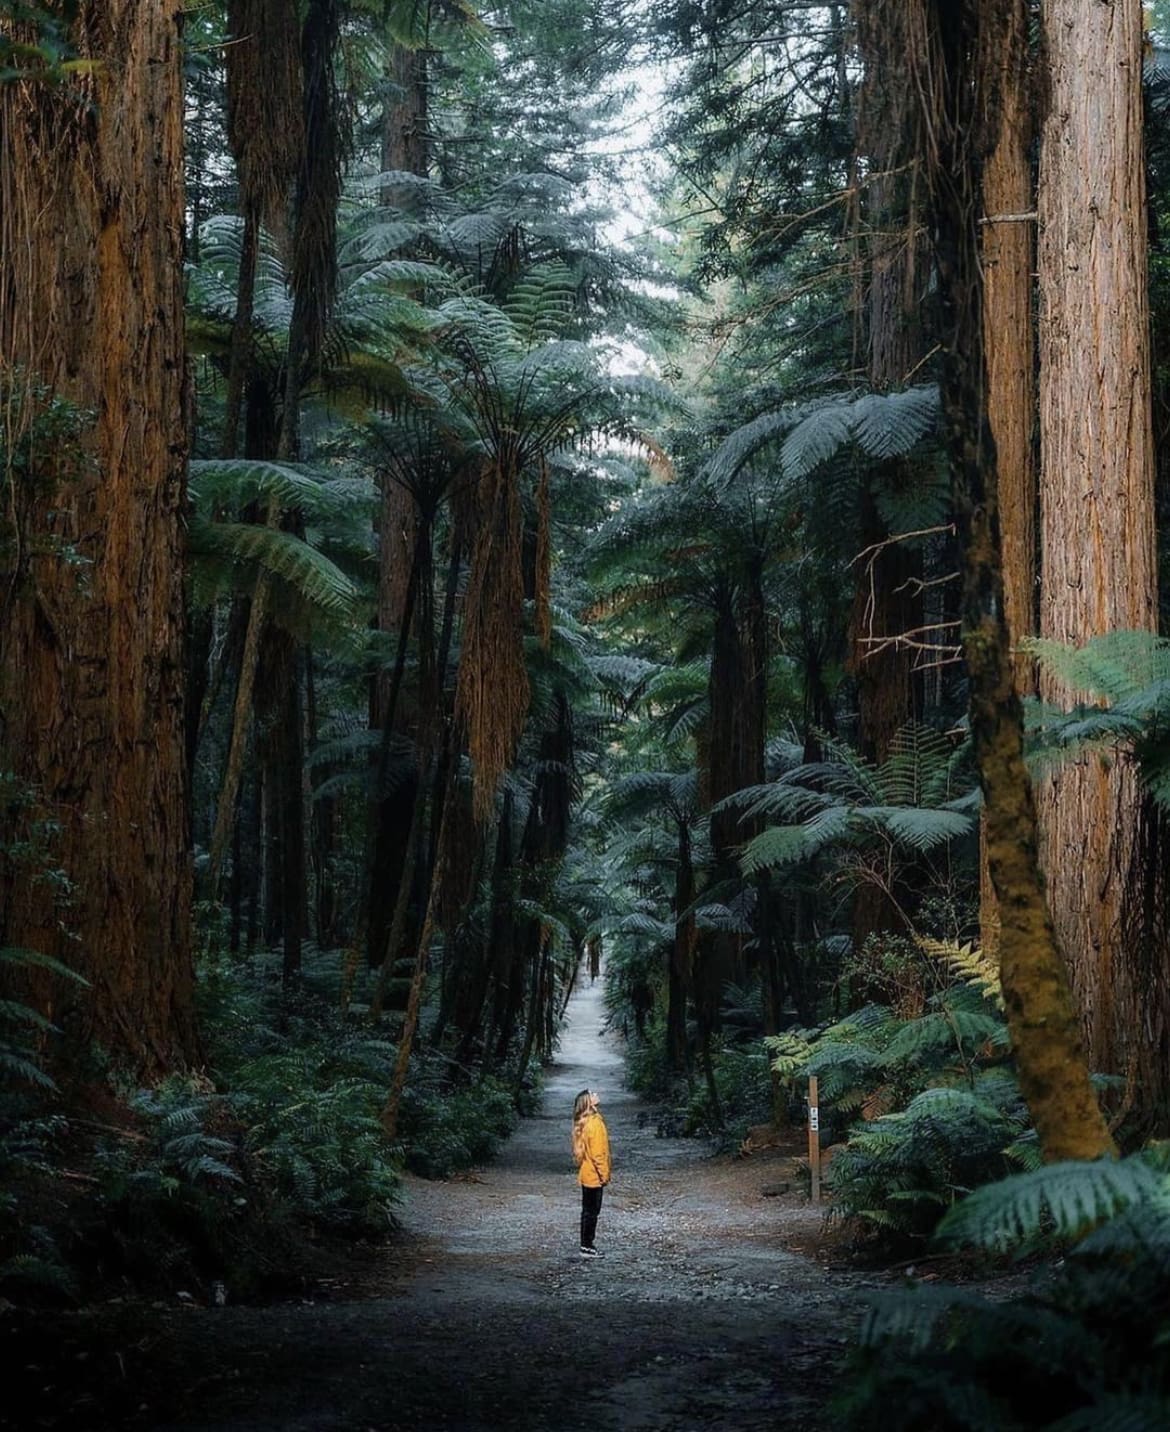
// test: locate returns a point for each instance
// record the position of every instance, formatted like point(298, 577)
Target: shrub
point(169, 1196)
point(312, 1126)
point(1085, 1347)
point(743, 1084)
point(930, 1104)
point(447, 1131)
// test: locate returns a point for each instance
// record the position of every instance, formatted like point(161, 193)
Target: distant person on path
point(591, 1150)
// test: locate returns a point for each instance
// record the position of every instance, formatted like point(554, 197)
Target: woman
point(591, 1150)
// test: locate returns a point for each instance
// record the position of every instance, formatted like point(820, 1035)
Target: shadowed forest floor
point(704, 1311)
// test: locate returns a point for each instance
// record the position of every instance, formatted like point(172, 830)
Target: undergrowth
point(1085, 1347)
point(742, 1078)
point(229, 1175)
point(923, 1108)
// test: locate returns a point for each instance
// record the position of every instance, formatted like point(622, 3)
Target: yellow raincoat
point(595, 1166)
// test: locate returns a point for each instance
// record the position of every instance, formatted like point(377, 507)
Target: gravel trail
point(484, 1316)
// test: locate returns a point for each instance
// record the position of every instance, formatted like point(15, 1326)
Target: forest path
point(487, 1317)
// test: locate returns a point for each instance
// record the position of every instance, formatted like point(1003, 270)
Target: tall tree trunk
point(1009, 257)
point(279, 719)
point(401, 544)
point(680, 966)
point(324, 823)
point(1097, 484)
point(897, 276)
point(391, 806)
point(734, 759)
point(412, 1014)
point(887, 602)
point(958, 46)
point(91, 644)
point(313, 279)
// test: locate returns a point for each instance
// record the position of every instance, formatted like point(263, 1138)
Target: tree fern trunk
point(681, 957)
point(323, 824)
point(502, 930)
point(390, 813)
point(410, 1022)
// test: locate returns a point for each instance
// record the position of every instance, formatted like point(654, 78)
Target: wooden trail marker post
point(814, 1138)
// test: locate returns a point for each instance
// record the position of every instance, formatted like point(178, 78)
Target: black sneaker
point(591, 1252)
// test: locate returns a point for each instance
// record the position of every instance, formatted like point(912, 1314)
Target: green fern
point(883, 425)
point(232, 485)
point(792, 845)
point(1060, 1200)
point(1082, 1346)
point(22, 1055)
point(917, 801)
point(1130, 672)
point(941, 1032)
point(25, 1272)
point(249, 546)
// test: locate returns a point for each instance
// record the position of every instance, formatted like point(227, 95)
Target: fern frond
point(231, 484)
point(318, 580)
point(1115, 666)
point(969, 963)
point(35, 960)
point(890, 425)
point(1063, 1200)
point(919, 829)
point(793, 844)
point(816, 438)
point(883, 425)
point(1129, 1411)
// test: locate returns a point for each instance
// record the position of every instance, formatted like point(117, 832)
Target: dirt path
point(487, 1316)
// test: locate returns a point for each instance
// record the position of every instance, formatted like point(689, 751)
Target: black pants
point(590, 1208)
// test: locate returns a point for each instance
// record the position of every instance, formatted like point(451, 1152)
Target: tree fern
point(791, 845)
point(883, 425)
point(232, 484)
point(916, 801)
point(249, 546)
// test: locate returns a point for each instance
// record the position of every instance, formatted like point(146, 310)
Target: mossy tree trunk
point(959, 45)
point(1009, 259)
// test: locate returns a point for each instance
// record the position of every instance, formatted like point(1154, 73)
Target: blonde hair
point(582, 1108)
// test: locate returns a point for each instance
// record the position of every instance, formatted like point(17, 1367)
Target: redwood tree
point(1097, 485)
point(91, 631)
